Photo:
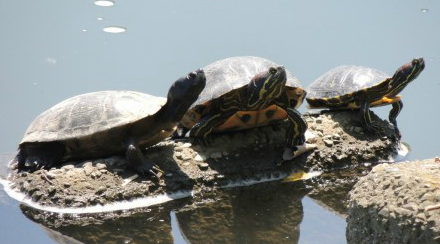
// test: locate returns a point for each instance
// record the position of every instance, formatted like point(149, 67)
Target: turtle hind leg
point(32, 157)
point(201, 131)
point(296, 142)
point(295, 133)
point(19, 161)
point(397, 107)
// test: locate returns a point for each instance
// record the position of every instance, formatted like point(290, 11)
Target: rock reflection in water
point(266, 213)
point(331, 190)
point(269, 213)
point(144, 227)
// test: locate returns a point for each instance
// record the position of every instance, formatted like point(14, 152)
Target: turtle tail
point(19, 161)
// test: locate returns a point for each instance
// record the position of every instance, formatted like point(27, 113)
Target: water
point(46, 56)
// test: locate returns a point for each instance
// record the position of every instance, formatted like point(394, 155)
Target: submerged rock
point(396, 203)
point(231, 158)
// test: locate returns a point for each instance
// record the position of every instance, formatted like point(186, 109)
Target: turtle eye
point(272, 70)
point(192, 75)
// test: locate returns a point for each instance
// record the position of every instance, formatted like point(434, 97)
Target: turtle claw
point(147, 170)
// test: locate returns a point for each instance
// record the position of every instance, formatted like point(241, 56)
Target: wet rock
point(396, 203)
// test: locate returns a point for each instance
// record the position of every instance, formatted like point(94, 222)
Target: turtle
point(106, 123)
point(359, 87)
point(246, 92)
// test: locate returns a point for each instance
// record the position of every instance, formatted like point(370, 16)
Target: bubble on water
point(424, 10)
point(100, 18)
point(104, 3)
point(115, 29)
point(84, 30)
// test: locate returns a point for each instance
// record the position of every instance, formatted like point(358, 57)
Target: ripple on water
point(104, 3)
point(115, 29)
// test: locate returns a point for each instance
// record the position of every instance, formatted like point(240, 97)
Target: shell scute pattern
point(345, 80)
point(233, 73)
point(80, 116)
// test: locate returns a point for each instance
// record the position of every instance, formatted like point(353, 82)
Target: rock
point(88, 169)
point(178, 155)
point(396, 203)
point(186, 168)
point(186, 145)
point(336, 137)
point(101, 166)
point(198, 158)
point(100, 190)
point(203, 166)
point(328, 143)
point(186, 157)
point(67, 167)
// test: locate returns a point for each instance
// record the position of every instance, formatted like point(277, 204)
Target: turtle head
point(405, 74)
point(183, 93)
point(265, 86)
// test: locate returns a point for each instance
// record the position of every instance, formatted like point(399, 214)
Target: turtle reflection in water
point(246, 92)
point(106, 123)
point(357, 87)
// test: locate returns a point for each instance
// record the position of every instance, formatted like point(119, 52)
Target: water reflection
point(259, 214)
point(268, 213)
point(331, 189)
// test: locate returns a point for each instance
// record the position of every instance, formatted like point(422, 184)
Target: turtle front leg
point(137, 162)
point(202, 129)
point(296, 143)
point(397, 107)
point(364, 114)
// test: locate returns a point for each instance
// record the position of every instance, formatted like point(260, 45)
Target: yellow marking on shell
point(257, 118)
point(385, 101)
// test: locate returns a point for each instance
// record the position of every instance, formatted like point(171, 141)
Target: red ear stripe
point(257, 77)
